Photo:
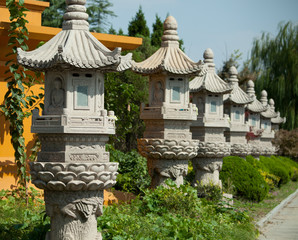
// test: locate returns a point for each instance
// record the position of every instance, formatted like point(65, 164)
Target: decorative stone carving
point(213, 149)
point(167, 143)
point(73, 167)
point(167, 158)
point(74, 176)
point(168, 149)
point(73, 214)
point(57, 95)
point(241, 150)
point(208, 90)
point(163, 169)
point(207, 170)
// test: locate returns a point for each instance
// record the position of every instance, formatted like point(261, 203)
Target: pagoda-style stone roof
point(74, 47)
point(278, 119)
point(237, 96)
point(255, 106)
point(269, 113)
point(208, 80)
point(169, 57)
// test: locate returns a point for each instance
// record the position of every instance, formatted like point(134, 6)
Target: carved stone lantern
point(253, 116)
point(167, 142)
point(207, 92)
point(234, 107)
point(275, 122)
point(73, 167)
point(267, 134)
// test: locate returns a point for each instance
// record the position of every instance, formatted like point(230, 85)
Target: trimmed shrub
point(133, 174)
point(248, 182)
point(277, 167)
point(293, 165)
point(271, 179)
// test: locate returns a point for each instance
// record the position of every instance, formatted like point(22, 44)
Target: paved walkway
point(284, 224)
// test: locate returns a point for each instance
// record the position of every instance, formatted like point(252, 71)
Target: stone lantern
point(253, 116)
point(167, 142)
point(234, 107)
point(267, 134)
point(275, 122)
point(73, 167)
point(207, 92)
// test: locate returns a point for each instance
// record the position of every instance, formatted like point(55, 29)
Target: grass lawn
point(259, 210)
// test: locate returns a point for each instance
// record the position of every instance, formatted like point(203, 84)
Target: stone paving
point(284, 225)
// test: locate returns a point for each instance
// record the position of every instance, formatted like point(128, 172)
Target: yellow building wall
point(37, 33)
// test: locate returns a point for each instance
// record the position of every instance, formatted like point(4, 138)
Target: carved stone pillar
point(167, 158)
point(208, 162)
point(73, 196)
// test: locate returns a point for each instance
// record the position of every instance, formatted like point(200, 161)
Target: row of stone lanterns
point(73, 167)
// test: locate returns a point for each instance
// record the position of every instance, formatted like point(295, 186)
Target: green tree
point(138, 25)
point(53, 15)
point(124, 93)
point(275, 59)
point(244, 73)
point(112, 30)
point(157, 32)
point(98, 10)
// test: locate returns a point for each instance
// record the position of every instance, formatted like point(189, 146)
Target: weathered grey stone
point(207, 92)
point(73, 167)
point(167, 142)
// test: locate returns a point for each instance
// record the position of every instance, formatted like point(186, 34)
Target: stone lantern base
point(73, 195)
point(167, 158)
point(208, 162)
point(241, 150)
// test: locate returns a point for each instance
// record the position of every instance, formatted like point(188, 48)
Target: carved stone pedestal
point(73, 214)
point(167, 158)
point(208, 162)
point(73, 196)
point(241, 150)
point(207, 171)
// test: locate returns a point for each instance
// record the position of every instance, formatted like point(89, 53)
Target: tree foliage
point(138, 25)
point(157, 32)
point(244, 74)
point(98, 10)
point(275, 59)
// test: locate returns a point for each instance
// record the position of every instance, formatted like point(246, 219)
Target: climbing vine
point(19, 98)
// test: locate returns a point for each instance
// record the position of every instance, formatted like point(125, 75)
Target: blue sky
point(223, 25)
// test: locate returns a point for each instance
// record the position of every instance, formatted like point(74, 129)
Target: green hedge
point(278, 168)
point(247, 181)
point(133, 173)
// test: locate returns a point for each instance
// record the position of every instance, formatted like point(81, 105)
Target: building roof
point(169, 57)
point(208, 79)
point(269, 113)
point(237, 96)
point(255, 106)
point(74, 47)
point(277, 119)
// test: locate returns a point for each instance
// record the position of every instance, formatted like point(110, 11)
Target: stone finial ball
point(264, 93)
point(271, 102)
point(208, 54)
point(170, 23)
point(250, 84)
point(233, 70)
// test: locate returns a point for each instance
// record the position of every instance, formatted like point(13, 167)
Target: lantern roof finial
point(170, 35)
point(75, 16)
